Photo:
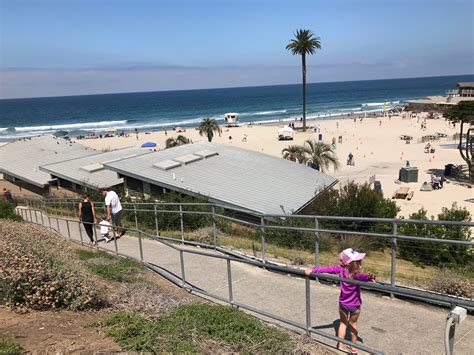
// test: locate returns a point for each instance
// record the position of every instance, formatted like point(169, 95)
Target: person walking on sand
point(349, 298)
point(87, 216)
point(114, 210)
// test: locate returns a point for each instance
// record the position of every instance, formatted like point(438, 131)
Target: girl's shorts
point(351, 309)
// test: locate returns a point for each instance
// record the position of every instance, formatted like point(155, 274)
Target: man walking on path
point(114, 210)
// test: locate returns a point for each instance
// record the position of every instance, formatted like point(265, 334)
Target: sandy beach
point(374, 142)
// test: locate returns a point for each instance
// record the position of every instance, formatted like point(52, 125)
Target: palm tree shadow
point(335, 326)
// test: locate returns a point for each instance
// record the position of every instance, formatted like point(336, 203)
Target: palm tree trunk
point(303, 66)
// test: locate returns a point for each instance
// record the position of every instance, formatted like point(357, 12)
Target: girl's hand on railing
point(307, 272)
point(372, 277)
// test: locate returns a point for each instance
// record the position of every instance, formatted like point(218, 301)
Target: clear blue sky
point(67, 47)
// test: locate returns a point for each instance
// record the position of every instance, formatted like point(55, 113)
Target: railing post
point(140, 244)
point(80, 232)
point(57, 223)
point(94, 233)
point(183, 276)
point(262, 231)
point(308, 304)
point(181, 221)
point(42, 218)
point(136, 218)
point(114, 233)
point(31, 215)
point(316, 243)
point(49, 224)
point(214, 231)
point(393, 271)
point(76, 212)
point(68, 230)
point(156, 220)
point(229, 282)
point(36, 216)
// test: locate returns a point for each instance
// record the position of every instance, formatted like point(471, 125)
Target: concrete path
point(391, 326)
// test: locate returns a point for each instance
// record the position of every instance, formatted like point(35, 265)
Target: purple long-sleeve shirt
point(350, 293)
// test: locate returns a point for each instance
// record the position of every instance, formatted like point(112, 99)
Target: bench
point(410, 195)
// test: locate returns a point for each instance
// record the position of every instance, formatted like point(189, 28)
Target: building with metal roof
point(88, 172)
point(226, 175)
point(20, 160)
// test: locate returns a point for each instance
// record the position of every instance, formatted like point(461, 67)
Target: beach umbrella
point(149, 145)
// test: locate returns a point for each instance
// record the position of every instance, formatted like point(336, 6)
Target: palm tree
point(179, 140)
point(294, 152)
point(207, 127)
point(320, 155)
point(304, 43)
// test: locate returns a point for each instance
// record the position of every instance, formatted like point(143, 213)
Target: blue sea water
point(149, 111)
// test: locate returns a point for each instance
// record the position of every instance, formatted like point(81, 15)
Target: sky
point(76, 47)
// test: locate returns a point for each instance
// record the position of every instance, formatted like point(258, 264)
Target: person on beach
point(350, 159)
point(105, 228)
point(350, 300)
point(114, 210)
point(87, 216)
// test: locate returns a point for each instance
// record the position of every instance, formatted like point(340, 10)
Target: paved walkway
point(392, 326)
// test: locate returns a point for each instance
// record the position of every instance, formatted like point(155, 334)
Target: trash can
point(377, 186)
point(320, 136)
point(448, 168)
point(408, 174)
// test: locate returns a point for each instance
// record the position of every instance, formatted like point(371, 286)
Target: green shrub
point(8, 347)
point(354, 200)
point(7, 211)
point(131, 331)
point(38, 271)
point(351, 200)
point(438, 254)
point(190, 327)
point(166, 220)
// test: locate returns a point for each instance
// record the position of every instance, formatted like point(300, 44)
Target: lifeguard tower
point(231, 119)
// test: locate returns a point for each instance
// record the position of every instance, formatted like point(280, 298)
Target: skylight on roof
point(188, 158)
point(92, 167)
point(206, 153)
point(166, 164)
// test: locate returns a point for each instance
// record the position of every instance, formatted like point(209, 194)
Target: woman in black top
point(87, 216)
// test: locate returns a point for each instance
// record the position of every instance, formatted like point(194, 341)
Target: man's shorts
point(116, 217)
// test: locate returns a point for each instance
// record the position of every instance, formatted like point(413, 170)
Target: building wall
point(27, 186)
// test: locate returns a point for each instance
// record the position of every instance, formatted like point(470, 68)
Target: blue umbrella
point(149, 145)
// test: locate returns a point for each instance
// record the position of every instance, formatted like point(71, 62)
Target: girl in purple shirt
point(349, 298)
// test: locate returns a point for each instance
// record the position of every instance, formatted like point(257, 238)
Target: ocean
point(154, 111)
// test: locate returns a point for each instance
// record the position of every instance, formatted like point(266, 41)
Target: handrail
point(416, 294)
point(383, 287)
point(283, 216)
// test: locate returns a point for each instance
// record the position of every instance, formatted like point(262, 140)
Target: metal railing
point(37, 215)
point(381, 230)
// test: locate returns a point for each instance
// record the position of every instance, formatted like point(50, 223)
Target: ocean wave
point(263, 113)
point(70, 126)
point(381, 103)
point(374, 104)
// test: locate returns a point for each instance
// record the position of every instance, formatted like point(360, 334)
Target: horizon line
point(234, 87)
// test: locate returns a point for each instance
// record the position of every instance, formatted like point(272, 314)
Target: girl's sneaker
point(346, 348)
